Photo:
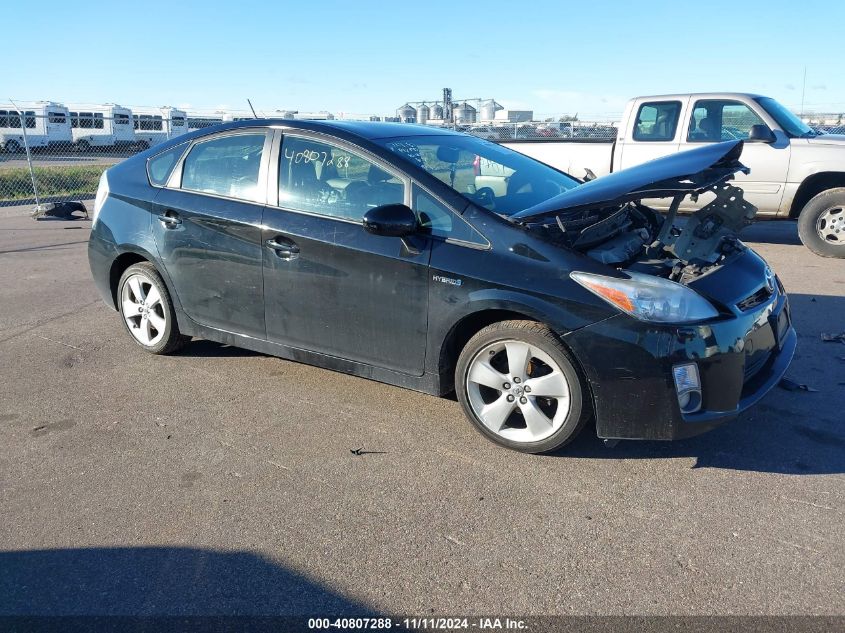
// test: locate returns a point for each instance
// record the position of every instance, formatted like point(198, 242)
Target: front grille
point(759, 297)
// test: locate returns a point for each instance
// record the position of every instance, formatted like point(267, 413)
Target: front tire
point(821, 224)
point(13, 147)
point(147, 311)
point(519, 386)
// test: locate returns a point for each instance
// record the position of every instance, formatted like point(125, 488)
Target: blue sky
point(370, 57)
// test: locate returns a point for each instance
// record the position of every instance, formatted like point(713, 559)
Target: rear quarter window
point(160, 167)
point(657, 121)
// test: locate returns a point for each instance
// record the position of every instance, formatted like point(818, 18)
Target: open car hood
point(693, 171)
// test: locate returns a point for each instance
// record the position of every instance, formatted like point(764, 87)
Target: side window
point(226, 166)
point(10, 119)
point(323, 178)
point(159, 167)
point(657, 121)
point(719, 120)
point(438, 220)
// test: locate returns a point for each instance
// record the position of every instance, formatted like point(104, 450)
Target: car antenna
point(255, 116)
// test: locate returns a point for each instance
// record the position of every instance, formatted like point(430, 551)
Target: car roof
point(370, 130)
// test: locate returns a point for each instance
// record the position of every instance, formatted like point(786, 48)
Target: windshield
point(485, 173)
point(791, 124)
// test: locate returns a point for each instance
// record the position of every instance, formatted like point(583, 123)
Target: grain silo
point(407, 113)
point(464, 113)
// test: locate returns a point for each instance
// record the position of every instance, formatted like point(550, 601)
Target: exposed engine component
point(716, 222)
point(622, 248)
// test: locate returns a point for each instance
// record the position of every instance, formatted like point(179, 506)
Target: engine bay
point(638, 237)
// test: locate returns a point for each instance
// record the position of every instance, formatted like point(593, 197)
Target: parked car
point(380, 250)
point(795, 172)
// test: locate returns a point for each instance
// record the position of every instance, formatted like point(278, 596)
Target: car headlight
point(100, 198)
point(648, 298)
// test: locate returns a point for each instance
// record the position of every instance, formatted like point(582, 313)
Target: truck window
point(657, 121)
point(715, 120)
point(56, 117)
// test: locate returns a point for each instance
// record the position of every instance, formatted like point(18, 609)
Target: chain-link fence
point(542, 131)
point(52, 153)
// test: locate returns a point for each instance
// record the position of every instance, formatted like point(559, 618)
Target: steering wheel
point(486, 197)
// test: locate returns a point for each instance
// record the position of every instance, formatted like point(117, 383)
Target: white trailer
point(106, 126)
point(45, 124)
point(198, 120)
point(154, 125)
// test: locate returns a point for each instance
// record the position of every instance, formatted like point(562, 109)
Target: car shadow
point(758, 445)
point(161, 581)
point(203, 348)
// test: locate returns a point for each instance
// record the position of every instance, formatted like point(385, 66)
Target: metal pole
point(28, 155)
point(803, 89)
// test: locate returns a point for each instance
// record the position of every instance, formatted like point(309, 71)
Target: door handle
point(170, 219)
point(284, 248)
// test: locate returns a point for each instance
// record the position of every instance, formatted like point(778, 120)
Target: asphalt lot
point(221, 481)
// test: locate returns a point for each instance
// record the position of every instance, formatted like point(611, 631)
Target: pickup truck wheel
point(519, 386)
point(821, 225)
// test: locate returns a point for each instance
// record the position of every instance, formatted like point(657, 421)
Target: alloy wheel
point(518, 391)
point(143, 309)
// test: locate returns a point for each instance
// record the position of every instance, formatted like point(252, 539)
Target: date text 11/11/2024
point(412, 623)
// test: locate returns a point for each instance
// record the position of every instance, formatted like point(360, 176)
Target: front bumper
point(629, 363)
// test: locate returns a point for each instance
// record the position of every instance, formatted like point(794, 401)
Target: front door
point(207, 228)
point(715, 120)
point(329, 286)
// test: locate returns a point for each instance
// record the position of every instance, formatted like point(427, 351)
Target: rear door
point(329, 286)
point(208, 229)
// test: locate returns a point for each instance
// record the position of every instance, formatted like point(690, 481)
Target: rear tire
point(12, 147)
point(821, 224)
point(520, 387)
point(147, 311)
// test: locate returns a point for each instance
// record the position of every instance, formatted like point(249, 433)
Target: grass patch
point(53, 182)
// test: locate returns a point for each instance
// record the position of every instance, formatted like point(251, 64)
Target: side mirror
point(390, 220)
point(761, 134)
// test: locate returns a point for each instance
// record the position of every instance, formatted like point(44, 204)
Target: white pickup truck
point(796, 172)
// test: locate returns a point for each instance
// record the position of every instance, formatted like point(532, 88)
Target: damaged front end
point(606, 219)
point(704, 324)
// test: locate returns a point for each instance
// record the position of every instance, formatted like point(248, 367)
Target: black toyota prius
point(442, 262)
